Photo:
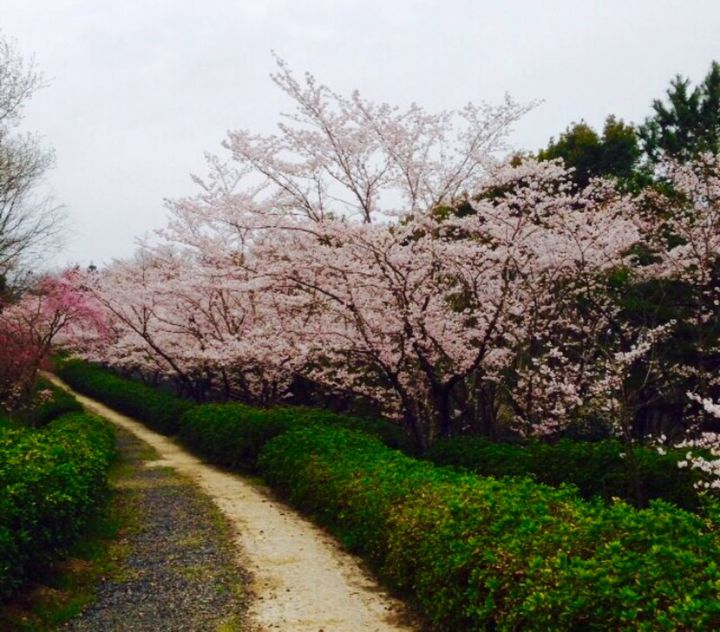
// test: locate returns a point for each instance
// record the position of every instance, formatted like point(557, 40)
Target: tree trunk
point(486, 411)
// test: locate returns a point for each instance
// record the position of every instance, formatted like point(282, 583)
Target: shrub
point(48, 402)
point(480, 553)
point(595, 468)
point(60, 403)
point(160, 410)
point(391, 434)
point(51, 481)
point(230, 434)
point(233, 434)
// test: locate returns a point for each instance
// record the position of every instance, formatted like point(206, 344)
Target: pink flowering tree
point(683, 232)
point(383, 252)
point(54, 310)
point(409, 314)
point(176, 317)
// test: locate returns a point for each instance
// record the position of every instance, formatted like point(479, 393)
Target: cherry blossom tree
point(388, 253)
point(683, 232)
point(404, 313)
point(180, 318)
point(703, 452)
point(56, 309)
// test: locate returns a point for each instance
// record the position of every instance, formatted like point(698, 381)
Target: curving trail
point(302, 580)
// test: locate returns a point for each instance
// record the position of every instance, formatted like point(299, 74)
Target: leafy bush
point(51, 480)
point(236, 423)
point(596, 469)
point(233, 434)
point(48, 402)
point(160, 410)
point(59, 403)
point(230, 434)
point(391, 434)
point(480, 553)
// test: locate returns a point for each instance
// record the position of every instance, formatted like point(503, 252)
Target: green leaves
point(51, 480)
point(594, 468)
point(473, 552)
point(160, 410)
point(688, 123)
point(479, 553)
point(234, 434)
point(230, 434)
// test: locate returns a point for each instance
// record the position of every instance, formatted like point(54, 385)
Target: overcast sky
point(140, 89)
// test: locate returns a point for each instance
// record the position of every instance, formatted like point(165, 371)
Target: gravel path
point(302, 580)
point(180, 573)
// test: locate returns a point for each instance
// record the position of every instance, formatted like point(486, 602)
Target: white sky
point(140, 89)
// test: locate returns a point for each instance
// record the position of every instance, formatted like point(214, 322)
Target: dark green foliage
point(160, 410)
point(391, 434)
point(43, 409)
point(59, 404)
point(348, 480)
point(614, 154)
point(480, 553)
point(233, 434)
point(51, 482)
point(230, 434)
point(661, 403)
point(688, 124)
point(243, 429)
point(485, 554)
point(595, 468)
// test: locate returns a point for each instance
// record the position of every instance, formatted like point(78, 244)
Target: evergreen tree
point(687, 124)
point(614, 154)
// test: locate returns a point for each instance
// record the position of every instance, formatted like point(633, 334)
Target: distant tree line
point(681, 127)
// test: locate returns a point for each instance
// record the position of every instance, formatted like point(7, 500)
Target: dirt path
point(303, 581)
point(175, 566)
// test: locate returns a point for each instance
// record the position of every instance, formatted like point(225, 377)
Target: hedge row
point(485, 554)
point(478, 553)
point(233, 434)
point(158, 409)
point(596, 469)
point(51, 481)
point(219, 431)
point(60, 403)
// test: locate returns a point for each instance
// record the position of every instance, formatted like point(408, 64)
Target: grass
point(235, 583)
point(234, 623)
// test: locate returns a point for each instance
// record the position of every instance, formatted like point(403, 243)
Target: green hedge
point(61, 403)
point(158, 409)
point(596, 469)
point(391, 434)
point(478, 553)
point(485, 554)
point(229, 434)
point(51, 481)
point(233, 434)
point(37, 415)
